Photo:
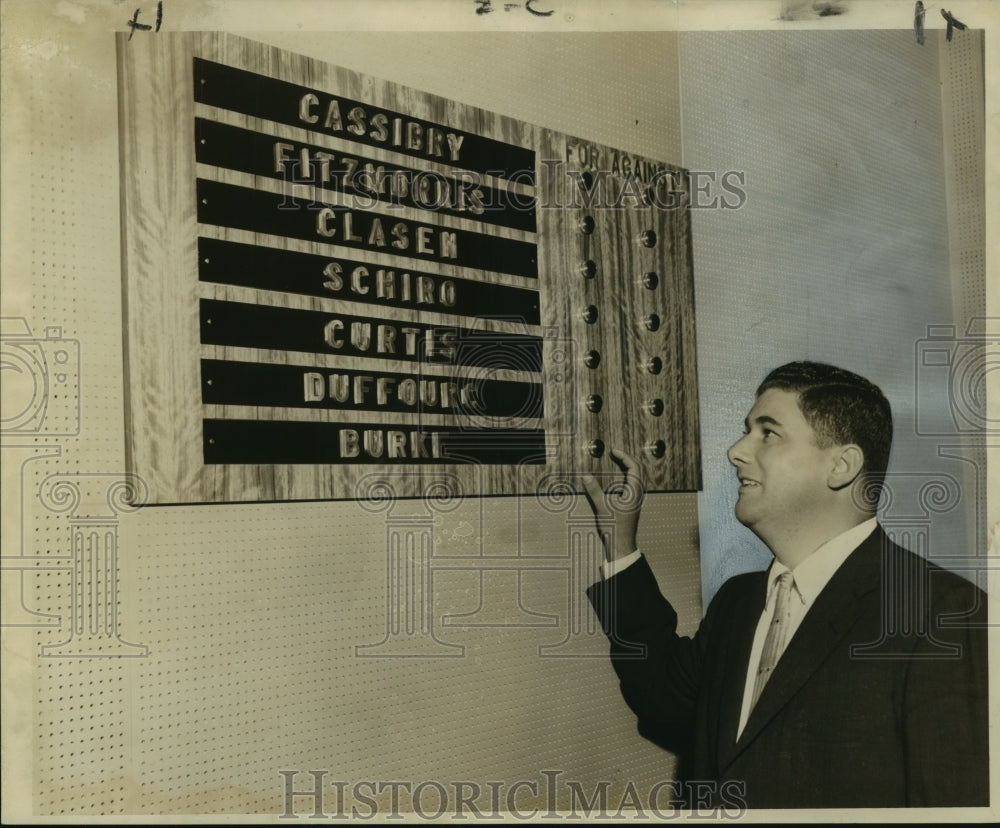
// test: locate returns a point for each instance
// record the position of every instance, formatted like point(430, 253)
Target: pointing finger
point(595, 494)
point(626, 461)
point(633, 491)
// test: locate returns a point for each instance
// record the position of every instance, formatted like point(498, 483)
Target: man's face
point(783, 473)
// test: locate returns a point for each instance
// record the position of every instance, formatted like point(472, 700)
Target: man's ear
point(848, 461)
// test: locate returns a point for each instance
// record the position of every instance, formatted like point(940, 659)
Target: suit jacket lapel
point(746, 614)
point(825, 624)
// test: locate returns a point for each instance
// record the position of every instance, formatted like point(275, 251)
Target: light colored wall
point(840, 253)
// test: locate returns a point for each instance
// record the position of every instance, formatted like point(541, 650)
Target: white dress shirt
point(810, 577)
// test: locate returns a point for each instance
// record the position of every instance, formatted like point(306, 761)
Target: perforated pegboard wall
point(183, 656)
point(62, 296)
point(964, 135)
point(962, 95)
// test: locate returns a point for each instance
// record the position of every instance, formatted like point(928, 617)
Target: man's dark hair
point(841, 408)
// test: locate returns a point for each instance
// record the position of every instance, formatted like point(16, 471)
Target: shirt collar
point(815, 572)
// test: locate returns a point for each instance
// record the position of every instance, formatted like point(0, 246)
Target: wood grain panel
point(165, 413)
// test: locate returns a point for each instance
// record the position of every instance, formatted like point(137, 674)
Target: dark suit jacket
point(880, 698)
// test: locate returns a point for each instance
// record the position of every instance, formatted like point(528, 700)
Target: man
point(851, 673)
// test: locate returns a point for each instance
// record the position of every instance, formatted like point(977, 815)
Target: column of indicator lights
point(654, 365)
point(588, 270)
point(650, 322)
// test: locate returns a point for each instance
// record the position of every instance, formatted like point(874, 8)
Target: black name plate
point(226, 382)
point(243, 208)
point(287, 329)
point(289, 103)
point(307, 274)
point(282, 441)
point(368, 180)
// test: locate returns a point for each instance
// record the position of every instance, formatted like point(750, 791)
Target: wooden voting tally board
point(340, 288)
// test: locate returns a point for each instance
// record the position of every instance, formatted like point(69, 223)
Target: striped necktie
point(774, 643)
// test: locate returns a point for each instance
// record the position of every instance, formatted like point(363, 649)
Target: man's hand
point(616, 511)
